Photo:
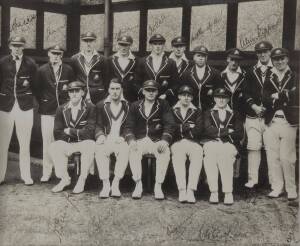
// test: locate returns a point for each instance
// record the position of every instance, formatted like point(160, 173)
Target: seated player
point(111, 115)
point(148, 130)
point(74, 128)
point(189, 124)
point(224, 130)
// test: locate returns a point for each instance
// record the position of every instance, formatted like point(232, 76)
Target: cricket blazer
point(288, 102)
point(190, 127)
point(51, 92)
point(166, 76)
point(253, 90)
point(95, 78)
point(127, 77)
point(83, 128)
point(237, 98)
point(157, 126)
point(19, 85)
point(103, 121)
point(203, 89)
point(215, 129)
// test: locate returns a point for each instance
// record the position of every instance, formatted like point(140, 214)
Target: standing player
point(52, 81)
point(281, 99)
point(122, 65)
point(255, 124)
point(202, 78)
point(17, 91)
point(90, 68)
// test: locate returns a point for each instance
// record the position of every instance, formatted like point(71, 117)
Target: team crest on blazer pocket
point(65, 87)
point(158, 127)
point(25, 83)
point(164, 83)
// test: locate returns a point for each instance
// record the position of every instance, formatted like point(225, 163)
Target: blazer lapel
point(67, 115)
point(149, 63)
point(80, 113)
point(257, 73)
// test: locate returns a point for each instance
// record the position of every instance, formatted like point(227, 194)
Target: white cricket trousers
point(219, 157)
point(102, 154)
point(147, 146)
point(23, 120)
point(182, 150)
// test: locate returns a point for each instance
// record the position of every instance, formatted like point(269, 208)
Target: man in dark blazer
point(202, 78)
point(281, 100)
point(157, 66)
point(111, 115)
point(149, 128)
point(122, 65)
point(255, 123)
point(74, 131)
point(17, 91)
point(178, 55)
point(189, 126)
point(51, 81)
point(223, 129)
point(234, 79)
point(90, 68)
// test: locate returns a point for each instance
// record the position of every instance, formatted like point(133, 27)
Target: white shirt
point(264, 68)
point(18, 61)
point(279, 74)
point(156, 61)
point(56, 70)
point(177, 60)
point(115, 123)
point(200, 72)
point(222, 112)
point(124, 61)
point(183, 110)
point(147, 108)
point(74, 109)
point(232, 77)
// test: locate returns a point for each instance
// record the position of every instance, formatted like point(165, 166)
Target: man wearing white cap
point(17, 74)
point(52, 80)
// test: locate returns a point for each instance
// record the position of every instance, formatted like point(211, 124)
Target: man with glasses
point(90, 68)
point(122, 65)
point(202, 78)
point(157, 66)
point(255, 124)
point(74, 131)
point(148, 130)
point(111, 115)
point(281, 99)
point(52, 81)
point(17, 91)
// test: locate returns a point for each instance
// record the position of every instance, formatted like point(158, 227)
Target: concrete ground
point(32, 215)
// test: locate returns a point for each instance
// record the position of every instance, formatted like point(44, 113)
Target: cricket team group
point(165, 105)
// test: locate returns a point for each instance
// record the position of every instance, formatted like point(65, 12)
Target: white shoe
point(292, 195)
point(228, 199)
point(45, 178)
point(28, 182)
point(274, 194)
point(158, 194)
point(214, 198)
point(105, 190)
point(61, 185)
point(182, 196)
point(115, 191)
point(250, 184)
point(190, 197)
point(79, 187)
point(137, 193)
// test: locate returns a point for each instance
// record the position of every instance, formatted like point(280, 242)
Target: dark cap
point(234, 54)
point(279, 52)
point(263, 45)
point(178, 41)
point(157, 38)
point(56, 49)
point(76, 85)
point(125, 39)
point(186, 89)
point(88, 36)
point(150, 84)
point(221, 92)
point(17, 40)
point(200, 50)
